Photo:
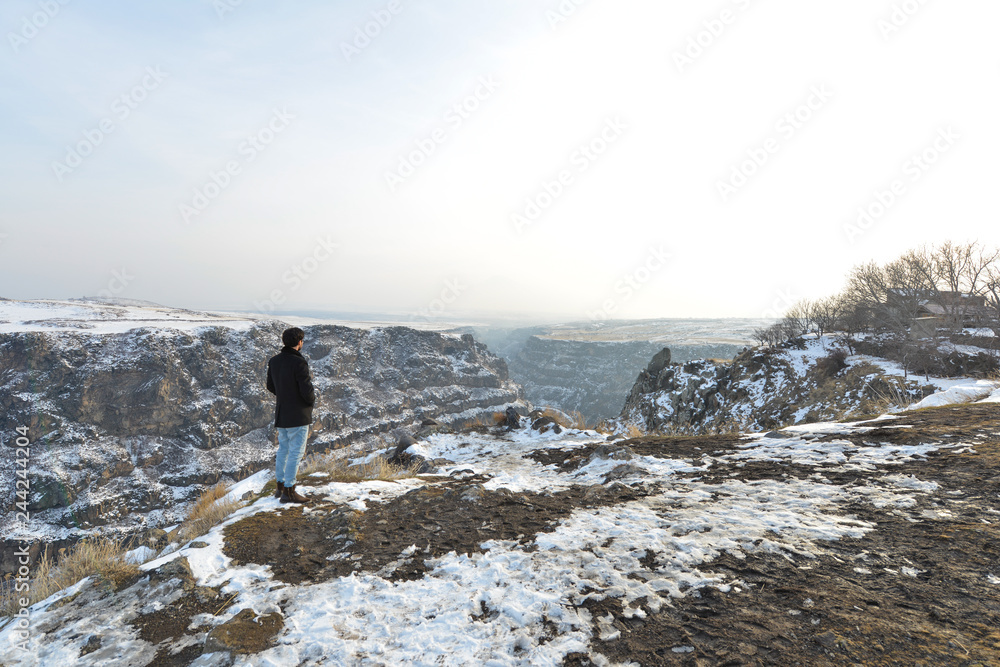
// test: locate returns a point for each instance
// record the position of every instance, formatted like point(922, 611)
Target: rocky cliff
point(588, 377)
point(762, 389)
point(127, 426)
point(592, 377)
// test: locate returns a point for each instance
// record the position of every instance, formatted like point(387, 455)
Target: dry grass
point(211, 508)
point(609, 427)
point(484, 421)
point(566, 419)
point(894, 395)
point(102, 556)
point(633, 431)
point(478, 423)
point(338, 469)
point(579, 421)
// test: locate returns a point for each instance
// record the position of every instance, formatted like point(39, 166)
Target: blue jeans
point(291, 447)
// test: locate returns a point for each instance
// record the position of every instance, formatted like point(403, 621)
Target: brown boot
point(280, 490)
point(292, 496)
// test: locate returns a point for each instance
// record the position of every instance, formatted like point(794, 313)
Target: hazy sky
point(565, 159)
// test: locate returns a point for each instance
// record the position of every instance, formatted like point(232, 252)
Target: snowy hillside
point(105, 316)
point(828, 543)
point(765, 388)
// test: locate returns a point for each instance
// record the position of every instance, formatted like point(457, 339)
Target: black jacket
point(288, 378)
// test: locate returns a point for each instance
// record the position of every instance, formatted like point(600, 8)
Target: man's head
point(293, 337)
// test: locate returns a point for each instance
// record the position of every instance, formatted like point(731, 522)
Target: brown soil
point(449, 516)
point(172, 621)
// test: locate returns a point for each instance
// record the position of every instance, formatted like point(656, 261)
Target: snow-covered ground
point(368, 619)
point(803, 360)
point(107, 316)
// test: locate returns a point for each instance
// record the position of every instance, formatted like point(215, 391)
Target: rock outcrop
point(586, 376)
point(760, 389)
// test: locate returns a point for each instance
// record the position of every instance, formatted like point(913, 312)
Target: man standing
point(289, 380)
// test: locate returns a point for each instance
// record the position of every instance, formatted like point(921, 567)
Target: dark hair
point(292, 337)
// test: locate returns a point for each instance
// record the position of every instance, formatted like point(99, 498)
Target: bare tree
point(867, 286)
point(825, 314)
point(991, 289)
point(797, 319)
point(852, 320)
point(978, 270)
point(888, 297)
point(951, 264)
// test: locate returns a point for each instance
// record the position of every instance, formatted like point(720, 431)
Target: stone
point(177, 568)
point(623, 471)
point(546, 424)
point(828, 639)
point(659, 361)
point(511, 420)
point(245, 633)
point(155, 538)
point(48, 492)
point(472, 493)
point(620, 453)
point(405, 442)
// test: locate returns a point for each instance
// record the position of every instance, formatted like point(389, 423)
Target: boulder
point(659, 361)
point(178, 568)
point(511, 420)
point(623, 471)
point(546, 424)
point(155, 538)
point(611, 452)
point(405, 442)
point(245, 633)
